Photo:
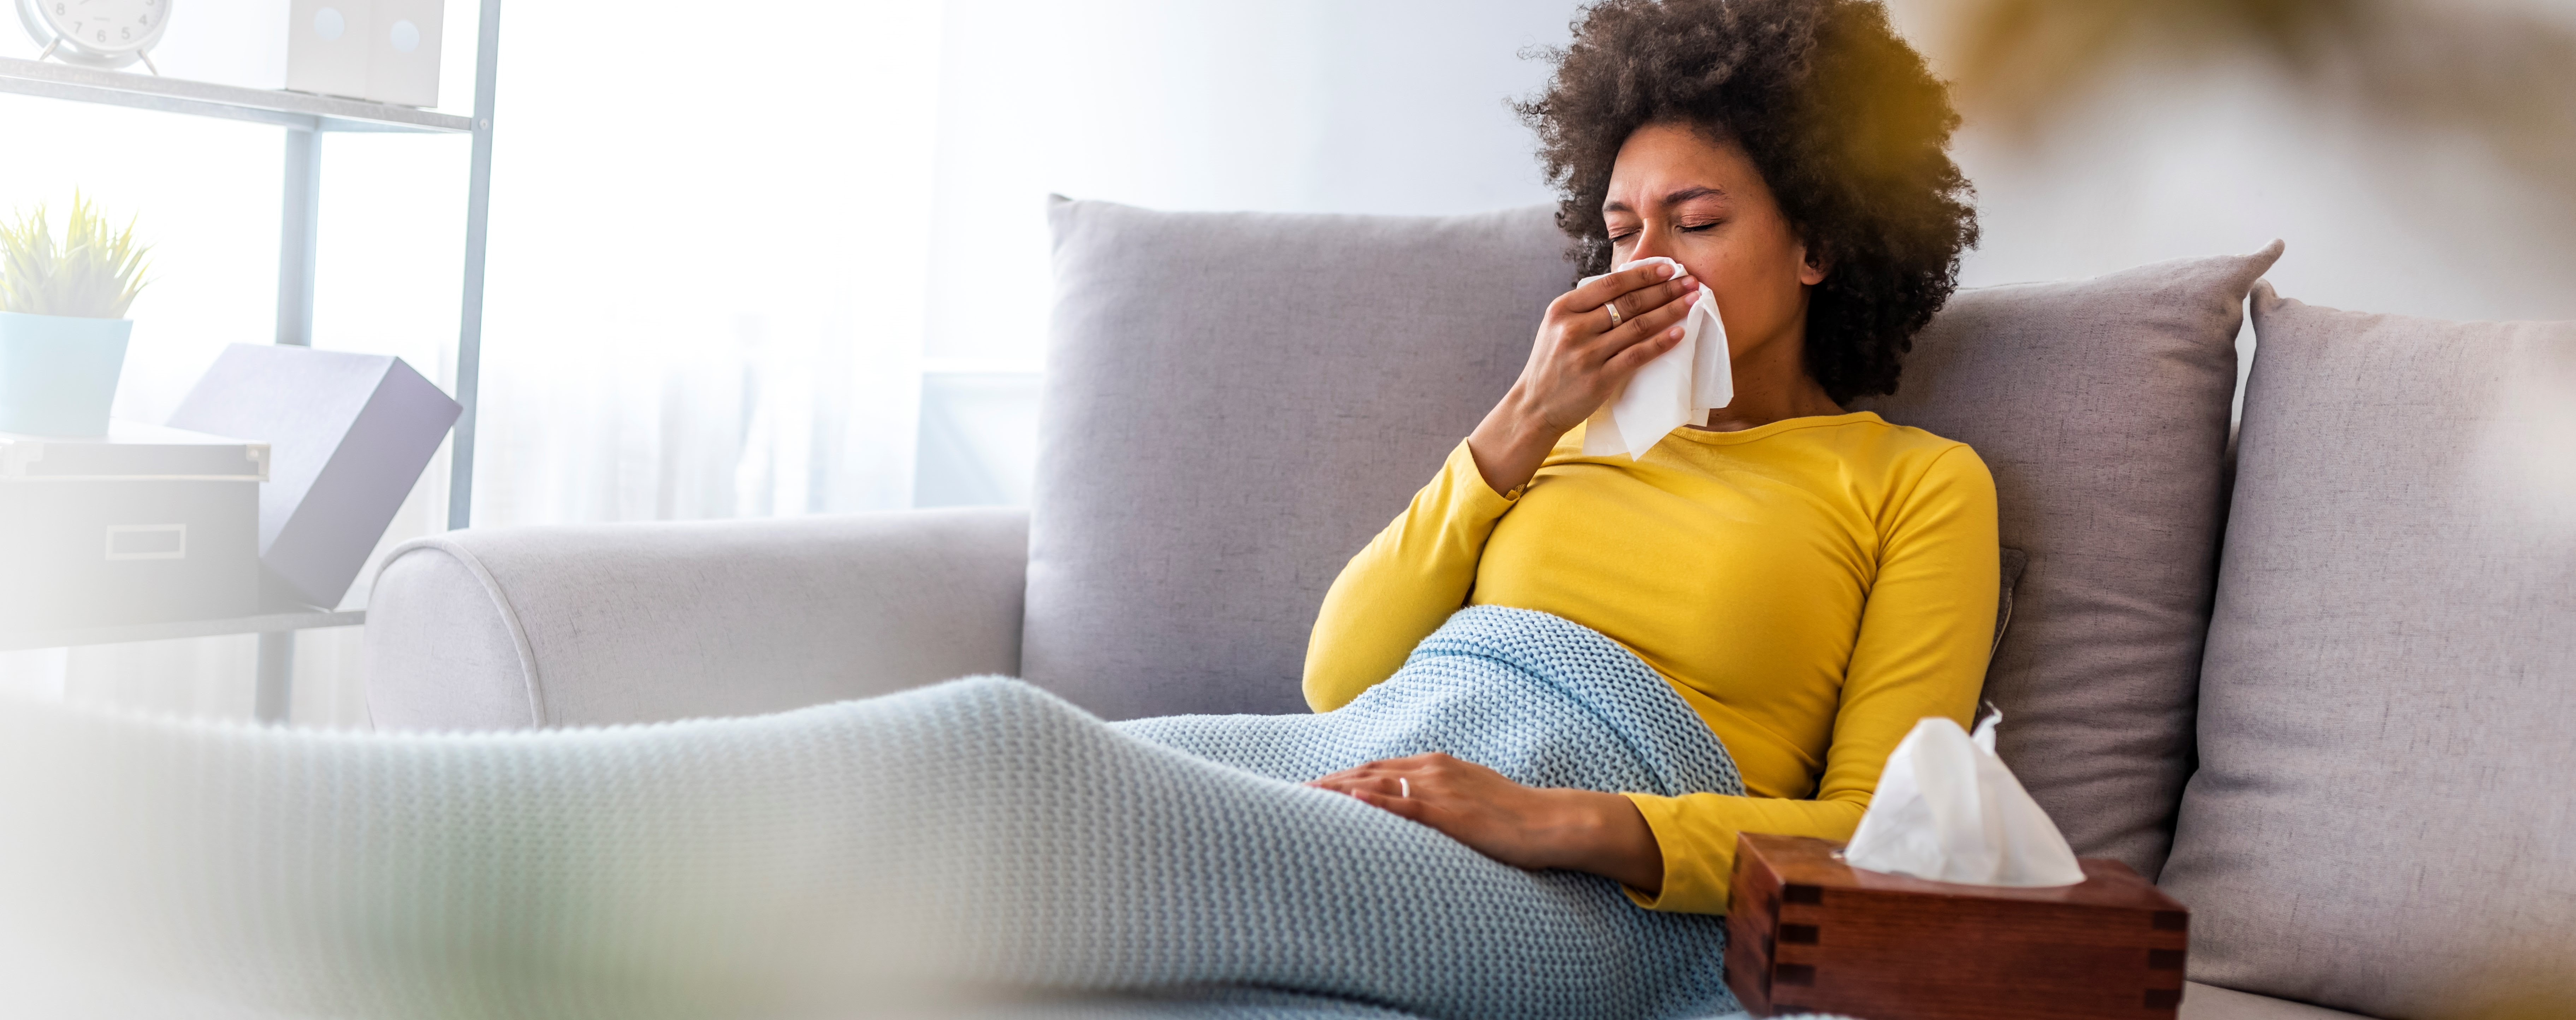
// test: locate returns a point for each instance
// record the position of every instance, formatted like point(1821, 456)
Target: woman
point(1811, 581)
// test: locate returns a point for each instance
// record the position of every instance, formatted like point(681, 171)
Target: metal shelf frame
point(306, 119)
point(300, 618)
point(298, 110)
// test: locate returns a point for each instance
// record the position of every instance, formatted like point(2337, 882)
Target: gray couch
point(2329, 705)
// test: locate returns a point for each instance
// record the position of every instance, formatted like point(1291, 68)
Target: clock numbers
point(104, 33)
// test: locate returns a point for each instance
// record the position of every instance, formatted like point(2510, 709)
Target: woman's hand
point(1578, 361)
point(1524, 826)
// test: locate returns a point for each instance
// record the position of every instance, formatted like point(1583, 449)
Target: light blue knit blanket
point(1293, 888)
point(974, 838)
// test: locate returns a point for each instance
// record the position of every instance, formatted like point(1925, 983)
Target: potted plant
point(62, 321)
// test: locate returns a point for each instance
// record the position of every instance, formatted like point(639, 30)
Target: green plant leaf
point(92, 274)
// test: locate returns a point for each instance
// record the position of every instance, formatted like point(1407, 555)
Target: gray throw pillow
point(2101, 405)
point(1234, 404)
point(2382, 819)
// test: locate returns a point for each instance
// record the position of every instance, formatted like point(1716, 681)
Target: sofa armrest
point(617, 623)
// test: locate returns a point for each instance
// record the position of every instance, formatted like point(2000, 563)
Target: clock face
point(105, 26)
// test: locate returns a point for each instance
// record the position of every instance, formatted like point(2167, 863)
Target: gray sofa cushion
point(2101, 406)
point(2382, 820)
point(1235, 402)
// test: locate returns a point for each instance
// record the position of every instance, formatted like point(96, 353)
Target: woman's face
point(1676, 193)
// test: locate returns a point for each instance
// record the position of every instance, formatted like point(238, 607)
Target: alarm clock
point(96, 33)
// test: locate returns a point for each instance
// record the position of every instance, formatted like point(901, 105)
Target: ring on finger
point(1405, 786)
point(1613, 309)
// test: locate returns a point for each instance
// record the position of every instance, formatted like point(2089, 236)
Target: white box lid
point(132, 451)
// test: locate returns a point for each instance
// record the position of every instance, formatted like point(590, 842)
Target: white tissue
point(1948, 810)
point(1679, 387)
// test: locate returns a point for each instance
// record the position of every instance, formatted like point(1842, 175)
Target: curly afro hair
point(1843, 120)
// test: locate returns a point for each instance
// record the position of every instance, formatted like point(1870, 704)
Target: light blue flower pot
point(58, 373)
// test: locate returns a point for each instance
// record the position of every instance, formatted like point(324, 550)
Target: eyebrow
point(1676, 198)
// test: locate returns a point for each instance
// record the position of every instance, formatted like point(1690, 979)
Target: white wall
point(1288, 105)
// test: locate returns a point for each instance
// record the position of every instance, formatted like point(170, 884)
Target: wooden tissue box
point(1812, 934)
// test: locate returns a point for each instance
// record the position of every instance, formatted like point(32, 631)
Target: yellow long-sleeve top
point(1812, 587)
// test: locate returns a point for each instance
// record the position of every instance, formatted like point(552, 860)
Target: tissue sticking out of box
point(1679, 387)
point(1948, 810)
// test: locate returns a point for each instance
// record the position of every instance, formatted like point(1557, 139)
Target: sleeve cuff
point(1698, 873)
point(1465, 478)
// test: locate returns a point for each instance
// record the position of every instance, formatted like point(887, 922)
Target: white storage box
point(384, 50)
point(143, 525)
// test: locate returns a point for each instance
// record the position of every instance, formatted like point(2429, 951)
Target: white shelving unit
point(306, 119)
